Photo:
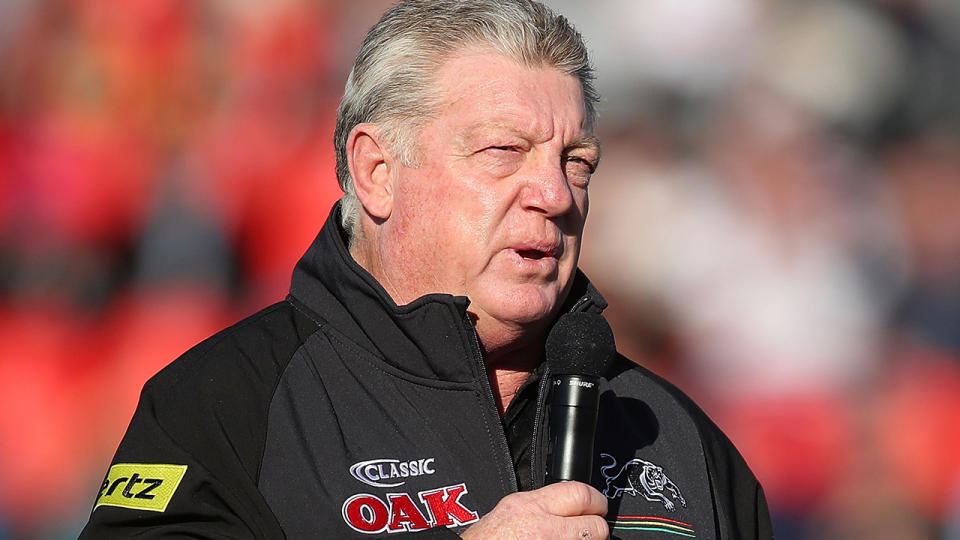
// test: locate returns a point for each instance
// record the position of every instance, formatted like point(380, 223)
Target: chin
point(524, 307)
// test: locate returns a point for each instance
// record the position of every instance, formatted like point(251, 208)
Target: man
point(401, 385)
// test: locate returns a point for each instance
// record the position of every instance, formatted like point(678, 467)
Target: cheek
point(477, 207)
point(578, 216)
point(439, 221)
point(417, 199)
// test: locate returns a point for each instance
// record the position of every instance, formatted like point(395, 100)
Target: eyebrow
point(470, 134)
point(473, 133)
point(587, 141)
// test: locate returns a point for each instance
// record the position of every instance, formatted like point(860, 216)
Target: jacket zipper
point(538, 450)
point(493, 414)
point(580, 305)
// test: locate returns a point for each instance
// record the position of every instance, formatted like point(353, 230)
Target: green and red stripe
point(653, 524)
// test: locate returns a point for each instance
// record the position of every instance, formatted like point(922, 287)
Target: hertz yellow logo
point(140, 486)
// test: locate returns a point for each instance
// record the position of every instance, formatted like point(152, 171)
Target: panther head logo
point(639, 477)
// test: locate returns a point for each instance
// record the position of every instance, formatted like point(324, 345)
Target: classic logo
point(140, 486)
point(439, 507)
point(387, 473)
point(640, 477)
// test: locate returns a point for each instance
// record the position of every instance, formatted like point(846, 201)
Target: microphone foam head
point(580, 344)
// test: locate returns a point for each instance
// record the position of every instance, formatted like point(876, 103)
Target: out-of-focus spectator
point(147, 153)
point(691, 49)
point(843, 62)
point(925, 178)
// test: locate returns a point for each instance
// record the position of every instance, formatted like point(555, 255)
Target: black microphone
point(579, 349)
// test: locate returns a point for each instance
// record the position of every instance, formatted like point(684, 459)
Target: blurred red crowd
point(162, 167)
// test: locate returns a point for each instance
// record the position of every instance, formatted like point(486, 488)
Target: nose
point(547, 190)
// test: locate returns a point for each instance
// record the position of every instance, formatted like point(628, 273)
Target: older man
point(401, 385)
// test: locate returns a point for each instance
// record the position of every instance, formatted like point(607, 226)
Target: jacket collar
point(430, 338)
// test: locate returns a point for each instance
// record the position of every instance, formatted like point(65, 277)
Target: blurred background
point(776, 223)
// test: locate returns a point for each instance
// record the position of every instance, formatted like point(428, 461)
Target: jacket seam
point(269, 405)
point(380, 365)
point(273, 394)
point(204, 347)
point(471, 344)
point(296, 304)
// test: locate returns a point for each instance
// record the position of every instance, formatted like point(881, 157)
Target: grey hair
point(392, 78)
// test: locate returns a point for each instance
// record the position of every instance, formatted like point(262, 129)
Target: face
point(495, 208)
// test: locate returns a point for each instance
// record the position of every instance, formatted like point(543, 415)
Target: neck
point(508, 370)
point(505, 384)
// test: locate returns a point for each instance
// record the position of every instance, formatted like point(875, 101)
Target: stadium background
point(776, 222)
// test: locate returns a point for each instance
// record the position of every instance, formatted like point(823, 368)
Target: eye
point(499, 160)
point(581, 162)
point(578, 170)
point(501, 154)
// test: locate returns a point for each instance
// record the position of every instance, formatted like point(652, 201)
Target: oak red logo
point(439, 507)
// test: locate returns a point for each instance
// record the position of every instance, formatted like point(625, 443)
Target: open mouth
point(534, 254)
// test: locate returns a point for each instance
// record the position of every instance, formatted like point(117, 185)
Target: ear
point(369, 164)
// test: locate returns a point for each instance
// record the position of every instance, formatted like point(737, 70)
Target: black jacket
point(337, 414)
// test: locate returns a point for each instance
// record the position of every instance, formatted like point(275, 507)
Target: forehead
point(479, 89)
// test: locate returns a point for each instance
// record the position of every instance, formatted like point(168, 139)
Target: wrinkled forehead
point(500, 90)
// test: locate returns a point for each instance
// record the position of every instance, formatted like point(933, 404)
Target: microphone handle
point(574, 403)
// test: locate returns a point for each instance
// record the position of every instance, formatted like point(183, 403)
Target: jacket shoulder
point(626, 374)
point(199, 433)
point(242, 356)
point(224, 384)
point(628, 377)
point(740, 504)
